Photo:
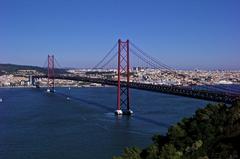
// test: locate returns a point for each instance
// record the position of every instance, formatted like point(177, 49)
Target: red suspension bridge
point(123, 82)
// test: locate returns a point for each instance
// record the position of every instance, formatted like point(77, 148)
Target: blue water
point(38, 125)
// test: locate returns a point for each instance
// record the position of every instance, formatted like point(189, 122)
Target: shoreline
point(56, 87)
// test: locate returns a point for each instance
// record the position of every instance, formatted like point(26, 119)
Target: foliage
point(170, 152)
point(130, 153)
point(213, 132)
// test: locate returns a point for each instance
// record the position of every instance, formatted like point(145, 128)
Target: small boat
point(68, 98)
point(50, 90)
point(1, 99)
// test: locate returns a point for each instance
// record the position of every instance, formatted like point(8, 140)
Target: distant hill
point(13, 68)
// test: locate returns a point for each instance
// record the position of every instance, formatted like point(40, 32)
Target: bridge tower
point(50, 73)
point(123, 96)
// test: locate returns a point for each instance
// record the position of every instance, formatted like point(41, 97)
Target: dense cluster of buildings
point(167, 77)
point(143, 75)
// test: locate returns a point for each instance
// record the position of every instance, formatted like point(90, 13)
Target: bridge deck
point(175, 90)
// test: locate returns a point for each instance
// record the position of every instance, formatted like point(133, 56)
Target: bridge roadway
point(174, 90)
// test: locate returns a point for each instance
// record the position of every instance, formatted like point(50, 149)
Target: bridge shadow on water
point(110, 109)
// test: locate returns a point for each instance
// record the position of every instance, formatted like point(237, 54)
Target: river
point(37, 125)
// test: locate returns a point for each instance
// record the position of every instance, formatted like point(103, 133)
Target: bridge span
point(123, 82)
point(223, 97)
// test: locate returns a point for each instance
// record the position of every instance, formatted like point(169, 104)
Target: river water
point(38, 125)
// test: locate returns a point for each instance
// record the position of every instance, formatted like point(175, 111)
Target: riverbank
point(83, 86)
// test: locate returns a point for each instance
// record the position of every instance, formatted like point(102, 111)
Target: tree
point(130, 153)
point(170, 152)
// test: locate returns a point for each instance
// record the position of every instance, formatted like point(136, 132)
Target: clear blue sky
point(188, 34)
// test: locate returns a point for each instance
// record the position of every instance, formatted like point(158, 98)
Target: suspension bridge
point(118, 58)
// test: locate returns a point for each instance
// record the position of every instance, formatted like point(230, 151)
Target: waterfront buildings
point(143, 75)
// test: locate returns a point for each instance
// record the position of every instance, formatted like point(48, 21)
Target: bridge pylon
point(123, 94)
point(51, 75)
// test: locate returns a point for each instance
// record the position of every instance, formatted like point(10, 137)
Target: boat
point(1, 99)
point(50, 90)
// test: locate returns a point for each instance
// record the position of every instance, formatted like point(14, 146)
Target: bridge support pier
point(123, 96)
point(30, 80)
point(51, 74)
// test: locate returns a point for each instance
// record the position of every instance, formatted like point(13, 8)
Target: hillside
point(212, 133)
point(13, 68)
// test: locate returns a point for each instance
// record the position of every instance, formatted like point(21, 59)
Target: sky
point(184, 34)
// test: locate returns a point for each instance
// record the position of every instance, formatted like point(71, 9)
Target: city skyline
point(190, 35)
